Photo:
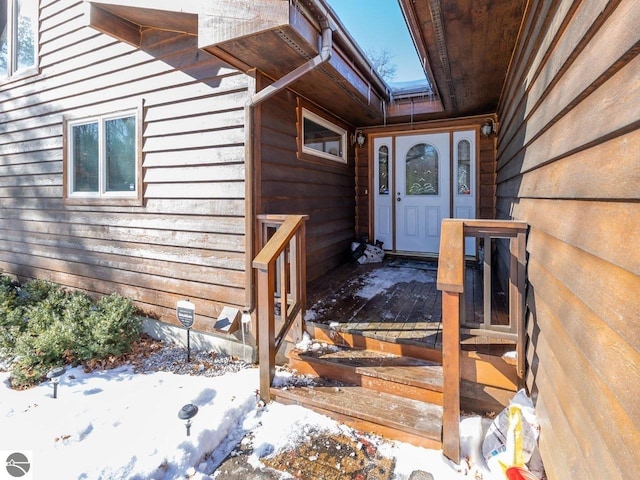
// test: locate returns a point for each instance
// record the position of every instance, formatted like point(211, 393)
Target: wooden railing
point(451, 275)
point(281, 285)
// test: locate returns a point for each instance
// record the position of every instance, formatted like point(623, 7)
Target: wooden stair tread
point(402, 414)
point(393, 368)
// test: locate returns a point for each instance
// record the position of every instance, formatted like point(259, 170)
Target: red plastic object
point(517, 473)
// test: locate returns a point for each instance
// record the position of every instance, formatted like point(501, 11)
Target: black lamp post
point(54, 375)
point(186, 413)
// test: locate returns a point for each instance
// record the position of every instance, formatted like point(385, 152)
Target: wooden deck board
point(408, 311)
point(404, 370)
point(407, 415)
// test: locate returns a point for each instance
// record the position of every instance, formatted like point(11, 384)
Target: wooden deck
point(381, 369)
point(397, 301)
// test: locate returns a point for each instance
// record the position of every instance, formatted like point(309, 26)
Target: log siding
point(323, 189)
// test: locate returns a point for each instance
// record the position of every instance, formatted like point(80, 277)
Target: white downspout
point(326, 50)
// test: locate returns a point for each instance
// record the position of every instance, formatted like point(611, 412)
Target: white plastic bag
point(509, 442)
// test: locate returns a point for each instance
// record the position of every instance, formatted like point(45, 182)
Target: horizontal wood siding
point(568, 164)
point(324, 190)
point(186, 240)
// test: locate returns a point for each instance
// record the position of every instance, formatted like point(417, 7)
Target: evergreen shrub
point(43, 326)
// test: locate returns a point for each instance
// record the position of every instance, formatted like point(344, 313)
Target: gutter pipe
point(326, 50)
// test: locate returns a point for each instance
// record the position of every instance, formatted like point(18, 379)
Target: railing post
point(301, 280)
point(451, 372)
point(451, 283)
point(266, 329)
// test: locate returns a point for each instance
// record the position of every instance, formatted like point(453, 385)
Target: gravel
point(165, 357)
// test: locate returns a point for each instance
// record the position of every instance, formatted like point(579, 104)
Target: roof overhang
point(272, 36)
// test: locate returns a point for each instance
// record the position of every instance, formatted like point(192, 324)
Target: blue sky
point(379, 25)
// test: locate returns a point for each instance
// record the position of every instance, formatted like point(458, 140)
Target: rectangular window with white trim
point(102, 157)
point(18, 37)
point(321, 138)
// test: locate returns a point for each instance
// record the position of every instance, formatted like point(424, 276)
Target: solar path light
point(186, 413)
point(54, 375)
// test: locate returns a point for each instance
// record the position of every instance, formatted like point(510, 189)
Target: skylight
point(379, 28)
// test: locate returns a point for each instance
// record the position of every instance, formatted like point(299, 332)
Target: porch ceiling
point(466, 46)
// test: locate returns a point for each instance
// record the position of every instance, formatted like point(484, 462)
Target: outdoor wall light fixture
point(186, 413)
point(488, 127)
point(358, 138)
point(54, 375)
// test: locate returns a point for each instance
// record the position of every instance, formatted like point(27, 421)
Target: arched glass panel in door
point(422, 165)
point(383, 170)
point(464, 168)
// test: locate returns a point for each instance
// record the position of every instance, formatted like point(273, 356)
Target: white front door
point(422, 191)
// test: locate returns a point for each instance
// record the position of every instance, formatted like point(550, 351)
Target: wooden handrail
point(451, 274)
point(276, 244)
point(281, 269)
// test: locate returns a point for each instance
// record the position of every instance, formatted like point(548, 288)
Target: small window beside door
point(464, 168)
point(383, 170)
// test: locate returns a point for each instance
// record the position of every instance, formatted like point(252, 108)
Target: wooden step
point(325, 334)
point(409, 377)
point(391, 416)
point(481, 368)
point(399, 375)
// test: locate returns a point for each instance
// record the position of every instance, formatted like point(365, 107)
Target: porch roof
point(465, 48)
point(273, 36)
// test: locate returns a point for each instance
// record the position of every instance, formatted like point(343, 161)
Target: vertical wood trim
point(65, 156)
point(477, 175)
point(452, 177)
point(371, 182)
point(253, 130)
point(451, 371)
point(140, 124)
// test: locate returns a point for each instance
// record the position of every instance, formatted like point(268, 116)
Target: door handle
point(399, 199)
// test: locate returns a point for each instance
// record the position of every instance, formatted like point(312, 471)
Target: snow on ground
point(123, 424)
point(380, 280)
